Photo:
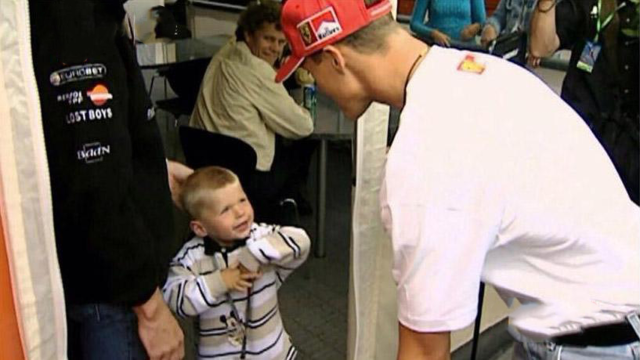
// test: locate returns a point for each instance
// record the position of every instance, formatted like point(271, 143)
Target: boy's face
point(228, 216)
point(266, 43)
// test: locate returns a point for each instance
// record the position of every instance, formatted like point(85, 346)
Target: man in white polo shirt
point(491, 177)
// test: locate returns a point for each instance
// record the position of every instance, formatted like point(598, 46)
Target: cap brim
point(290, 65)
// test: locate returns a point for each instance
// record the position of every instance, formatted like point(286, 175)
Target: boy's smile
point(227, 217)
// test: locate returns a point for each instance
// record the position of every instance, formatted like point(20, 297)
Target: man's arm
point(277, 108)
point(415, 345)
point(544, 39)
point(158, 329)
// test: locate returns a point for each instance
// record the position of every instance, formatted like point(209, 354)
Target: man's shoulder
point(242, 60)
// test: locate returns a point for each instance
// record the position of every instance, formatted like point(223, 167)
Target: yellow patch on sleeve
point(470, 65)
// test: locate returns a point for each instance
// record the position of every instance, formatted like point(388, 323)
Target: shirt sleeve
point(188, 290)
point(286, 248)
point(478, 12)
point(278, 109)
point(438, 255)
point(499, 17)
point(417, 23)
point(570, 23)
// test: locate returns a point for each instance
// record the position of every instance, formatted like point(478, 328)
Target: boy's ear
point(197, 227)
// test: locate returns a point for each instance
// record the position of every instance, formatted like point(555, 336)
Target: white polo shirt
point(493, 177)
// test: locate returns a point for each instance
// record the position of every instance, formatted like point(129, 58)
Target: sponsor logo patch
point(71, 98)
point(77, 73)
point(93, 152)
point(470, 65)
point(320, 27)
point(99, 95)
point(79, 116)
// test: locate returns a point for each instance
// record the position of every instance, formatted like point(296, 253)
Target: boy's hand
point(244, 270)
point(235, 279)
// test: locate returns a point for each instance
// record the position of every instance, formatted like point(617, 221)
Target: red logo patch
point(320, 27)
point(99, 95)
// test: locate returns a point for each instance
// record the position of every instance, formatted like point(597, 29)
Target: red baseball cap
point(310, 25)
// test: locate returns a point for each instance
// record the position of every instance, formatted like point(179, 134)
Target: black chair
point(203, 148)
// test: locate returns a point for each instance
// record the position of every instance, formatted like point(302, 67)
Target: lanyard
point(600, 25)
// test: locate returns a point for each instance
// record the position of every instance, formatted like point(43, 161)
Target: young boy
point(229, 273)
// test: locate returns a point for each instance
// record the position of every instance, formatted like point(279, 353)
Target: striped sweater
point(195, 288)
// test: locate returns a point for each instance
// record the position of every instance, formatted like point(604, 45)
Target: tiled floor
point(314, 300)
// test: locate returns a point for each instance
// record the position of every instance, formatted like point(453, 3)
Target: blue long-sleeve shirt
point(447, 16)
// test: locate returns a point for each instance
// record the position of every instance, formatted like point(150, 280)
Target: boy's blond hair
point(200, 184)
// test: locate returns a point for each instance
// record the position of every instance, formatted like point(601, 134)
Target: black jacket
point(111, 201)
point(607, 98)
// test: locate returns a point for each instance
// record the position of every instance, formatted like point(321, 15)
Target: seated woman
point(239, 97)
point(511, 16)
point(450, 22)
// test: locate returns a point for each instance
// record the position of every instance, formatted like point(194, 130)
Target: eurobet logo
point(320, 27)
point(99, 95)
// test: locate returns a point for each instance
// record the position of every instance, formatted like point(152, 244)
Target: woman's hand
point(470, 31)
point(440, 38)
point(489, 34)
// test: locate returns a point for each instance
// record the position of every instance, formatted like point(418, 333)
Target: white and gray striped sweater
point(195, 288)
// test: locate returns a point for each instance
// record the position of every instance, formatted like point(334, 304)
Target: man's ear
point(197, 227)
point(247, 36)
point(336, 57)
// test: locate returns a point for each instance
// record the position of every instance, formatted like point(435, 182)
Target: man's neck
point(394, 68)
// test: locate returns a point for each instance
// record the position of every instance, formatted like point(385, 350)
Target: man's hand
point(440, 38)
point(237, 279)
point(533, 61)
point(158, 329)
point(470, 31)
point(489, 34)
point(178, 174)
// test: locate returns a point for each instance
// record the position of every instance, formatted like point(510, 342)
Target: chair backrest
point(186, 77)
point(203, 148)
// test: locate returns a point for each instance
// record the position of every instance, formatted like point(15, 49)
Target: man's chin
point(354, 113)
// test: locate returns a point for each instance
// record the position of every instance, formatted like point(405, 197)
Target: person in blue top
point(449, 21)
point(510, 16)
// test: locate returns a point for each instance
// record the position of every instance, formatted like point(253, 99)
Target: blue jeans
point(527, 349)
point(103, 332)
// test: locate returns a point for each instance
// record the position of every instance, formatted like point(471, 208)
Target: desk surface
point(160, 54)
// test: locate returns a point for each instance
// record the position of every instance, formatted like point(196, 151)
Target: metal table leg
point(321, 199)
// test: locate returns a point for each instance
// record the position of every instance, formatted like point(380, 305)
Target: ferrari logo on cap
point(470, 65)
point(320, 27)
point(305, 31)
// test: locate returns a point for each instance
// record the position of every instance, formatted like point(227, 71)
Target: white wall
point(144, 24)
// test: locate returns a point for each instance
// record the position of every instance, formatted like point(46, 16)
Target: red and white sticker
point(320, 27)
point(99, 95)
